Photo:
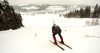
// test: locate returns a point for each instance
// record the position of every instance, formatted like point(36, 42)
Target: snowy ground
point(35, 36)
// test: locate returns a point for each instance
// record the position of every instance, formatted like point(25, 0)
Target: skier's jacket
point(56, 29)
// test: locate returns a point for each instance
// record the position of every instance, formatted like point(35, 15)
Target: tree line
point(9, 19)
point(85, 12)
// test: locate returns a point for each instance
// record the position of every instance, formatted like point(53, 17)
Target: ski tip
point(63, 49)
point(49, 40)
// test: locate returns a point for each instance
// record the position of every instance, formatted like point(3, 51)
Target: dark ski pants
point(59, 36)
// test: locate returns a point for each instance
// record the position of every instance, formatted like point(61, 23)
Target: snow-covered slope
point(56, 8)
point(35, 36)
point(29, 8)
point(48, 19)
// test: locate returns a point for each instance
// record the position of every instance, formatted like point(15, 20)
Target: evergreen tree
point(95, 13)
point(77, 13)
point(87, 12)
point(8, 18)
point(99, 12)
point(81, 12)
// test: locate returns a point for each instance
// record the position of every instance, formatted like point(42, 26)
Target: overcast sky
point(70, 2)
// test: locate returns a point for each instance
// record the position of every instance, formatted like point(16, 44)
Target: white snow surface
point(35, 36)
point(31, 7)
point(56, 8)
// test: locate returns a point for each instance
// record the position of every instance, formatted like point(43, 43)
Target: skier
point(56, 30)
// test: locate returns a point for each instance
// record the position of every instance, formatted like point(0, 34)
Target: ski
point(57, 45)
point(65, 45)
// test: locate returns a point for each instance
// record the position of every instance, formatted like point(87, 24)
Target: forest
point(84, 12)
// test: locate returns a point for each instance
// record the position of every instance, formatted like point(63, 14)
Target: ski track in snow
point(35, 36)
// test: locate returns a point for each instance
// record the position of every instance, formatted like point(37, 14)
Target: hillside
point(35, 36)
point(43, 8)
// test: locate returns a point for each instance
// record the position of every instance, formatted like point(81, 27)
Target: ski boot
point(62, 41)
point(55, 42)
